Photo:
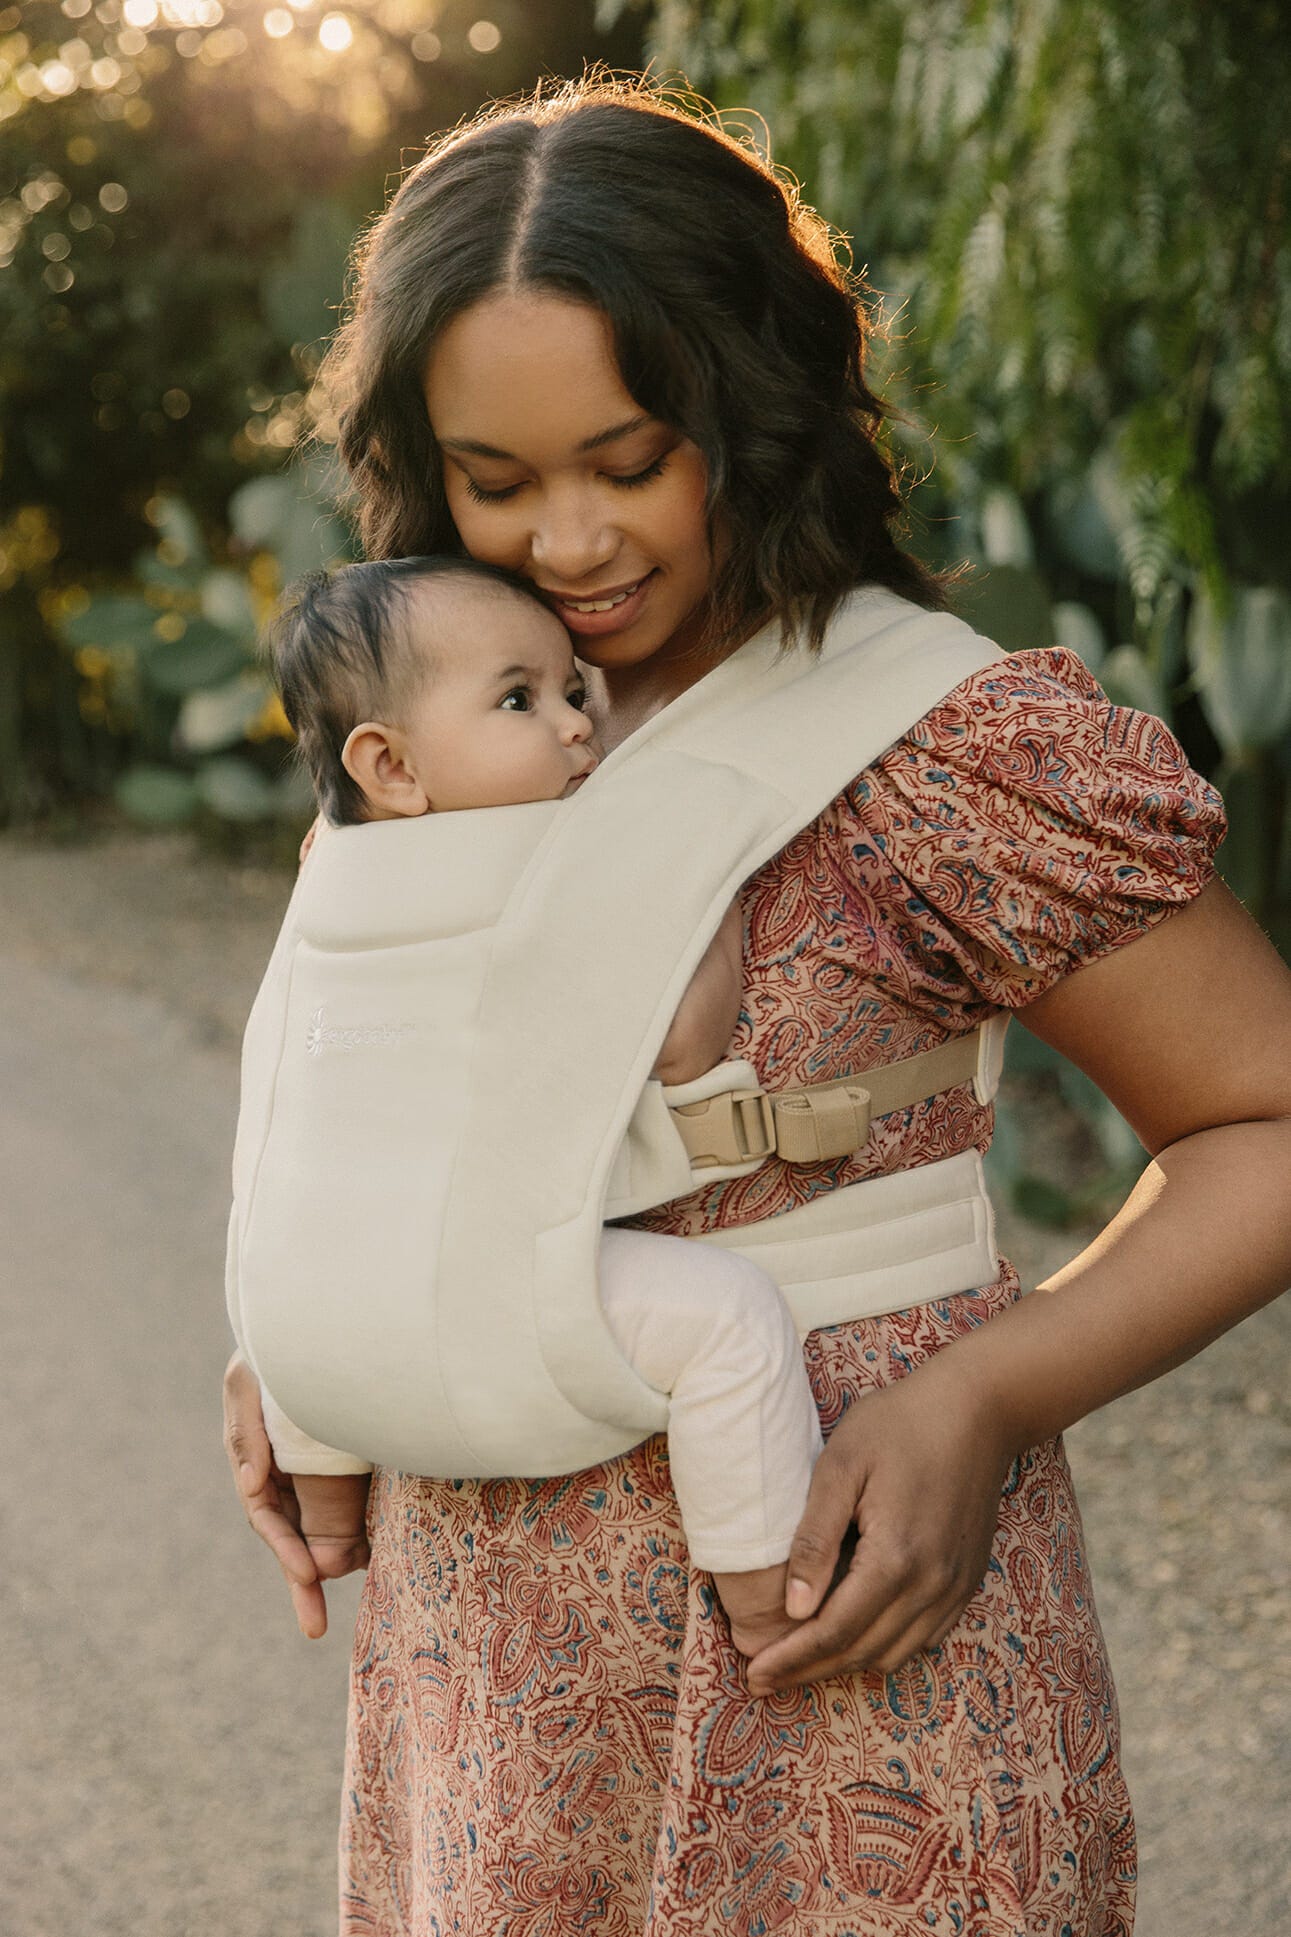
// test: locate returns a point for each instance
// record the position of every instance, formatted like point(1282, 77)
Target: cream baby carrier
point(446, 1077)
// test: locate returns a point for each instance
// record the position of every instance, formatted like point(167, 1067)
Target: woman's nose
point(570, 542)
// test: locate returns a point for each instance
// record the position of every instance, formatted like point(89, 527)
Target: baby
point(426, 685)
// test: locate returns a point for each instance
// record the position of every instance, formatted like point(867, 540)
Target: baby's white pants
point(712, 1330)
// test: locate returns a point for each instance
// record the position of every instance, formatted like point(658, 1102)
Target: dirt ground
point(1184, 1485)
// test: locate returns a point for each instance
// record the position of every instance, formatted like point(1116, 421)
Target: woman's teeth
point(601, 605)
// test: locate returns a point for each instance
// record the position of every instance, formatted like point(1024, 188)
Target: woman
point(600, 344)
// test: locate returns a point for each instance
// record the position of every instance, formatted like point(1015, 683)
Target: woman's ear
point(375, 757)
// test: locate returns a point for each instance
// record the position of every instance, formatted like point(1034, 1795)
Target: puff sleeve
point(1027, 826)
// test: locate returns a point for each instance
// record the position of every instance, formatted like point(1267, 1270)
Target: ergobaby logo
point(321, 1035)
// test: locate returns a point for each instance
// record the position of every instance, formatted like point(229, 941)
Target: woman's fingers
point(266, 1495)
point(918, 1467)
point(836, 1486)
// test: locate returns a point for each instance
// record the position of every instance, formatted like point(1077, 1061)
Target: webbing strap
point(819, 1121)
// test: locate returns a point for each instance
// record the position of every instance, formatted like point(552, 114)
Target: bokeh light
point(335, 33)
point(485, 37)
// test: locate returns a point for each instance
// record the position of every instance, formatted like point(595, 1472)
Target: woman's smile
point(592, 615)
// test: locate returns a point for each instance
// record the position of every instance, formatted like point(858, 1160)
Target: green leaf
point(294, 792)
point(177, 526)
point(1077, 628)
point(1242, 660)
point(156, 796)
point(114, 620)
point(235, 790)
point(258, 511)
point(1042, 1202)
point(1006, 535)
point(302, 289)
point(1011, 606)
point(1130, 679)
point(227, 602)
point(205, 655)
point(279, 515)
point(218, 716)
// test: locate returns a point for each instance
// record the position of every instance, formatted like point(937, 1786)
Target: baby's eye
point(578, 698)
point(517, 700)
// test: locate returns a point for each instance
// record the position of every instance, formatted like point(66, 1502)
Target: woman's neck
point(625, 697)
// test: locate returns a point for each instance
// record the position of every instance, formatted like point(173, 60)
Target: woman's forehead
point(528, 374)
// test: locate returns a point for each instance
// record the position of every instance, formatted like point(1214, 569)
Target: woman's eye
point(481, 496)
point(644, 477)
point(517, 700)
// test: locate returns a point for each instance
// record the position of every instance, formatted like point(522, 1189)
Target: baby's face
point(501, 718)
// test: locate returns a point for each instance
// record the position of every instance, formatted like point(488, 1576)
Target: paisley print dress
point(549, 1732)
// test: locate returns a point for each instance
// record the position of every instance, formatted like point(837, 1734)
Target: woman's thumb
point(813, 1557)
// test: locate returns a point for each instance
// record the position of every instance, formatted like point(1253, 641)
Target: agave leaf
point(293, 791)
point(1242, 660)
point(279, 515)
point(1130, 679)
point(216, 717)
point(227, 602)
point(1077, 628)
point(203, 655)
point(235, 790)
point(177, 527)
point(1006, 535)
point(157, 796)
point(110, 622)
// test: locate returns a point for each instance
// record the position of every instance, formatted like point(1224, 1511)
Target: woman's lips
point(621, 607)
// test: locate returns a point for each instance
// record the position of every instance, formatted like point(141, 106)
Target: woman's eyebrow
point(473, 448)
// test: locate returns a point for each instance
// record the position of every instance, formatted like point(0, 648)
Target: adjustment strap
point(819, 1121)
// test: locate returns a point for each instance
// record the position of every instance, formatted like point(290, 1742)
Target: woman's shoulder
point(1034, 730)
point(1031, 823)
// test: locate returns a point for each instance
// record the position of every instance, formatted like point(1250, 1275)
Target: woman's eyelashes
point(481, 495)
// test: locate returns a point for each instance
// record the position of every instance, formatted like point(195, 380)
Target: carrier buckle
point(734, 1127)
point(818, 1124)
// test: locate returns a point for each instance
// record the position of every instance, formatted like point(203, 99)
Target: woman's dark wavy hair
point(732, 317)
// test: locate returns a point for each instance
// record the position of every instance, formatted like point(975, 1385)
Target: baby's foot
point(754, 1604)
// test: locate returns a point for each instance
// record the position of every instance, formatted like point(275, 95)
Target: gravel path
point(173, 1748)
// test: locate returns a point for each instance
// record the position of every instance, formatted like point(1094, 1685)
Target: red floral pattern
point(549, 1730)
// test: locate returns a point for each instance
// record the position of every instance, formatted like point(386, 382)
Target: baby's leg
point(713, 1331)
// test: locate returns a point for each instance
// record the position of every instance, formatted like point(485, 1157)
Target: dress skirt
point(550, 1733)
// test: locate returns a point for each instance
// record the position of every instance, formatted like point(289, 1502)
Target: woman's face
point(554, 470)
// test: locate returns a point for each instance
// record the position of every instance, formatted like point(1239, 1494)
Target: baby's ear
point(375, 758)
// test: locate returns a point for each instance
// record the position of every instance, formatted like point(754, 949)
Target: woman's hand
point(269, 1502)
point(918, 1470)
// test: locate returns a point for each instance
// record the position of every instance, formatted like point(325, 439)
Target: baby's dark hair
point(340, 655)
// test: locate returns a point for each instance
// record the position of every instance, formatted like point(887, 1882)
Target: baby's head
point(420, 685)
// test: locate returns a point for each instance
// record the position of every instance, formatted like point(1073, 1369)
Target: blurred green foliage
point(1072, 211)
point(1074, 216)
point(180, 181)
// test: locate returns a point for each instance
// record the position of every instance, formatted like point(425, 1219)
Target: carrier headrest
point(390, 882)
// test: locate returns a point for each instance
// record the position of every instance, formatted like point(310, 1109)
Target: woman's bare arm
point(1188, 1031)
